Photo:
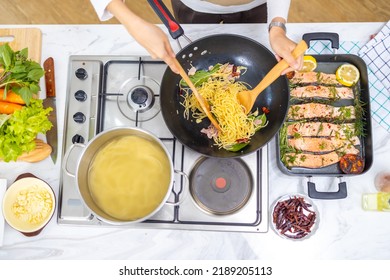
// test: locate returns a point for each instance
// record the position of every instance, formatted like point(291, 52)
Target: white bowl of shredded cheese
point(28, 205)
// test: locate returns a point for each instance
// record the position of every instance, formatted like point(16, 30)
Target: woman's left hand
point(283, 46)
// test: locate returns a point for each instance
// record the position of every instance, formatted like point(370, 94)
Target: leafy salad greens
point(19, 130)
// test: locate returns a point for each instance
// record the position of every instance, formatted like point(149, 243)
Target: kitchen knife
point(50, 101)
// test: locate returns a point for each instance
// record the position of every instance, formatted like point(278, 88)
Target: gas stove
point(105, 92)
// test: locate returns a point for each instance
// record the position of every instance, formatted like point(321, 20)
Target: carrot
point(9, 108)
point(11, 97)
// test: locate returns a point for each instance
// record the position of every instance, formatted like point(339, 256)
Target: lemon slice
point(3, 119)
point(347, 75)
point(309, 63)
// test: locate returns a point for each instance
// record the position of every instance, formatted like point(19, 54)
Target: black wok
point(209, 51)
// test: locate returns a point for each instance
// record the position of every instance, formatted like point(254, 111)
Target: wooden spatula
point(248, 97)
point(203, 103)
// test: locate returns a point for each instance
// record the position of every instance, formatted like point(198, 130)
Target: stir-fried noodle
point(220, 90)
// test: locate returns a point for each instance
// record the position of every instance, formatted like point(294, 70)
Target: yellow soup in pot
point(129, 177)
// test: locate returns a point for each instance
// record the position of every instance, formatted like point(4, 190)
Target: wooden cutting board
point(30, 38)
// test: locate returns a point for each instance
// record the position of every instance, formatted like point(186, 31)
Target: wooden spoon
point(203, 103)
point(248, 97)
point(41, 151)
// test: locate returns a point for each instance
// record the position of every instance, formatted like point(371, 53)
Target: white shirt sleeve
point(278, 8)
point(100, 8)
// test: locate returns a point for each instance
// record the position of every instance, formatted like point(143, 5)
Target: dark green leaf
point(7, 55)
point(18, 69)
point(237, 147)
point(18, 76)
point(24, 53)
point(26, 94)
point(34, 88)
point(201, 76)
point(33, 65)
point(35, 74)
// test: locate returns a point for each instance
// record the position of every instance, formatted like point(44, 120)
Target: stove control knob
point(78, 139)
point(81, 73)
point(80, 95)
point(79, 117)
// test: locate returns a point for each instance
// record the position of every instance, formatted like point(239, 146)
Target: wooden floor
point(81, 11)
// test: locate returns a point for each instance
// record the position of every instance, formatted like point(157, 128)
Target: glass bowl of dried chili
point(294, 216)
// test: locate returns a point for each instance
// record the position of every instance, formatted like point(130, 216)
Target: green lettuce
point(18, 133)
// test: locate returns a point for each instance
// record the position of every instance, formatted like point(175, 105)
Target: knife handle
point(48, 66)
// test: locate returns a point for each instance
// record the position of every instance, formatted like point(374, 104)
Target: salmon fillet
point(314, 77)
point(317, 110)
point(321, 144)
point(322, 92)
point(321, 129)
point(316, 161)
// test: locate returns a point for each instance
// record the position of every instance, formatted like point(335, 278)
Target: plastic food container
point(294, 217)
point(376, 201)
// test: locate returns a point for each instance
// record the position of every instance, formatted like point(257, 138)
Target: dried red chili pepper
point(294, 217)
point(265, 110)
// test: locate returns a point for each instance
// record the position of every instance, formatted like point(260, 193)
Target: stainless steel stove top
point(123, 91)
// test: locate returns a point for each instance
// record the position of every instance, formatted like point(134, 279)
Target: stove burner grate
point(136, 99)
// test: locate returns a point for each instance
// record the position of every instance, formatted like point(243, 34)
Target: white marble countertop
point(346, 231)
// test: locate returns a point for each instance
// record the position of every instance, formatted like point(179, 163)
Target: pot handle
point(185, 189)
point(166, 17)
point(66, 157)
point(340, 194)
point(169, 21)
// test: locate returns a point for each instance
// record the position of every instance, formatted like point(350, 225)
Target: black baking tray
point(329, 64)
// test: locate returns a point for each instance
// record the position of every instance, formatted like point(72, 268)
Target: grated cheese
point(33, 205)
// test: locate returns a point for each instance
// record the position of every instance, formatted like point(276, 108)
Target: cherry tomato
point(351, 164)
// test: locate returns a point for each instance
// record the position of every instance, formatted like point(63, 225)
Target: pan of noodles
point(220, 66)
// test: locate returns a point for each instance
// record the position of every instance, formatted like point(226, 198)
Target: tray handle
point(330, 36)
point(340, 194)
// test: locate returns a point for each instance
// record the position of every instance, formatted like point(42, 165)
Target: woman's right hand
point(151, 37)
point(156, 42)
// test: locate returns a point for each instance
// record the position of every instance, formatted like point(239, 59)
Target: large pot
point(207, 51)
point(84, 179)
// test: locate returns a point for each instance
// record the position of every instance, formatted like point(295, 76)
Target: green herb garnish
point(19, 73)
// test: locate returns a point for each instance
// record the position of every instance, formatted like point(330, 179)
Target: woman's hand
point(155, 41)
point(283, 46)
point(151, 37)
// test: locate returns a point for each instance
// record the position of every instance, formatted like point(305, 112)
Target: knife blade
point(50, 101)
